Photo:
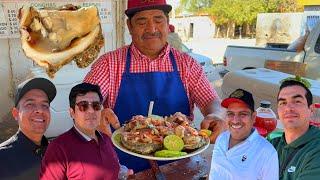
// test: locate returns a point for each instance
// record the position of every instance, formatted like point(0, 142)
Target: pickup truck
point(241, 57)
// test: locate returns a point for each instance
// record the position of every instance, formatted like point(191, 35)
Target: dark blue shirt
point(20, 158)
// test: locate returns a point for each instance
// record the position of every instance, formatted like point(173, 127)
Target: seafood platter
point(158, 138)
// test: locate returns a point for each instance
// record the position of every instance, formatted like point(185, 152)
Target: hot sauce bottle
point(315, 119)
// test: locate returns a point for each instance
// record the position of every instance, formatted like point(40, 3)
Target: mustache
point(151, 35)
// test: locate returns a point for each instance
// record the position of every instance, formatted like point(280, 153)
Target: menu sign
point(9, 10)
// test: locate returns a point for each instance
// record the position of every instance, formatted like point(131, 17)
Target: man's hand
point(108, 117)
point(215, 124)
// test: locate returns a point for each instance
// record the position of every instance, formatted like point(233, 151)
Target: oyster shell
point(55, 37)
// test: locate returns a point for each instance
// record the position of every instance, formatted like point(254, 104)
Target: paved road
point(215, 47)
point(216, 83)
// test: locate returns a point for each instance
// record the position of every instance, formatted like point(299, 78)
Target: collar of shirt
point(251, 138)
point(137, 54)
point(254, 134)
point(24, 141)
point(304, 139)
point(86, 137)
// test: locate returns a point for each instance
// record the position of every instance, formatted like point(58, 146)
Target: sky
point(173, 3)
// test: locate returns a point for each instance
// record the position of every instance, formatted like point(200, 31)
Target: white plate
point(118, 144)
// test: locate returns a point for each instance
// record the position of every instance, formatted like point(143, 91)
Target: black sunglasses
point(84, 105)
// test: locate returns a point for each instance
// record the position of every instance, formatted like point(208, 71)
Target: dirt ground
point(8, 127)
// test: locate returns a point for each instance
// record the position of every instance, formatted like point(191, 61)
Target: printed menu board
point(9, 10)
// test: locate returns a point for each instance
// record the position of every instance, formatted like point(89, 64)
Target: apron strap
point(128, 61)
point(173, 62)
point(128, 58)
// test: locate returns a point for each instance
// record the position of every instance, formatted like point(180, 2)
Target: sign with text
point(9, 10)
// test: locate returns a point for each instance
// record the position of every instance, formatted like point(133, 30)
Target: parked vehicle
point(262, 83)
point(204, 61)
point(308, 52)
point(245, 68)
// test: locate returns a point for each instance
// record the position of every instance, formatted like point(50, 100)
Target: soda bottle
point(315, 119)
point(266, 120)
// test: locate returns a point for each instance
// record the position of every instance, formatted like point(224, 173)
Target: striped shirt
point(108, 69)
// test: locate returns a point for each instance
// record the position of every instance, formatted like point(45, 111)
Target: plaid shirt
point(108, 69)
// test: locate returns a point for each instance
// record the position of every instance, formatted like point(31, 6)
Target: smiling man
point(299, 146)
point(149, 69)
point(82, 152)
point(20, 156)
point(240, 152)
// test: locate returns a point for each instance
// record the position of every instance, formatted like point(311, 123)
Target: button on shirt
point(254, 158)
point(74, 156)
point(108, 69)
point(20, 158)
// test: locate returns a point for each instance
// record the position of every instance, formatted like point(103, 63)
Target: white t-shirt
point(255, 158)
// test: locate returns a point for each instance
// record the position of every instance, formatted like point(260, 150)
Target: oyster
point(55, 37)
point(141, 142)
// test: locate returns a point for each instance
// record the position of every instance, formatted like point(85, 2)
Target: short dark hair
point(289, 83)
point(81, 90)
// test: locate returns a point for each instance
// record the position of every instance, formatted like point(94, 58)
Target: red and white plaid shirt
point(108, 69)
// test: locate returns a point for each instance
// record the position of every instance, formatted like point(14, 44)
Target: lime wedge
point(173, 143)
point(117, 138)
point(168, 153)
point(206, 132)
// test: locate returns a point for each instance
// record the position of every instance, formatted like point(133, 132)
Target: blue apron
point(135, 93)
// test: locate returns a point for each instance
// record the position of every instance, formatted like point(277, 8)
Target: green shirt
point(305, 163)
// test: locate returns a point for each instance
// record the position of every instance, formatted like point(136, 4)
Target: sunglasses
point(84, 105)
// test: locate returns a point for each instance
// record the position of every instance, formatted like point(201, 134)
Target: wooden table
point(196, 167)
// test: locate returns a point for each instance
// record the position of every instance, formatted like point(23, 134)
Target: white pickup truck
point(241, 57)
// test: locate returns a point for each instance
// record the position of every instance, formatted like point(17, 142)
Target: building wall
point(194, 27)
point(284, 27)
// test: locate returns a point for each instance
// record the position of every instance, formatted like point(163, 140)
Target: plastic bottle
point(315, 119)
point(123, 173)
point(266, 120)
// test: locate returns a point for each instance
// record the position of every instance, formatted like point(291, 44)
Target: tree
point(195, 6)
point(283, 6)
point(232, 13)
point(235, 12)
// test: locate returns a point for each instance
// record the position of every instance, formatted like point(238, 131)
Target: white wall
point(203, 27)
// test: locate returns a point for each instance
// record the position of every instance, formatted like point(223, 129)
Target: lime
point(206, 132)
point(173, 143)
point(117, 138)
point(168, 153)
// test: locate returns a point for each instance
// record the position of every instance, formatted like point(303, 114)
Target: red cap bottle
point(266, 120)
point(315, 119)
